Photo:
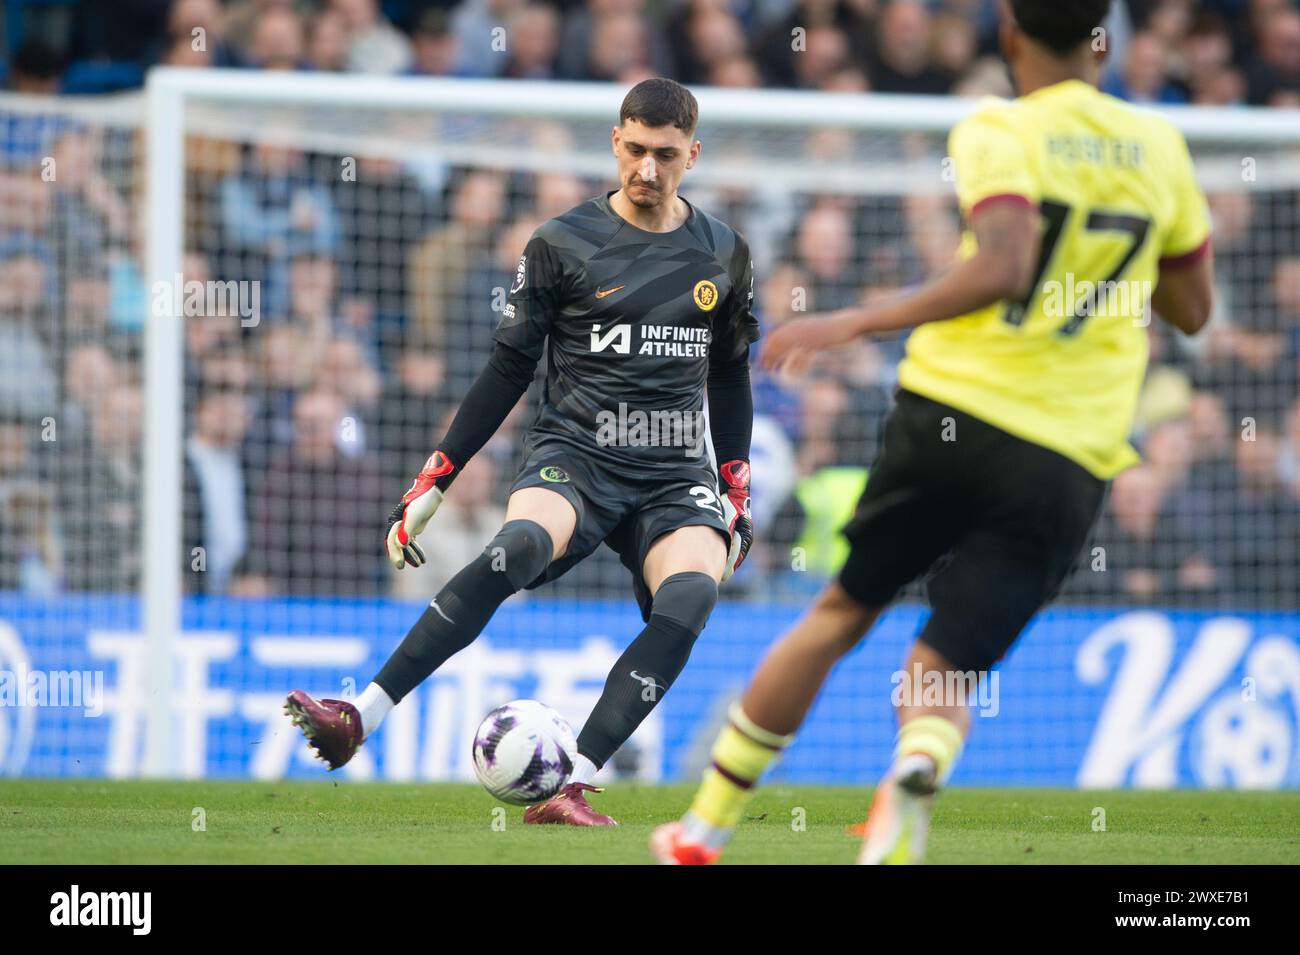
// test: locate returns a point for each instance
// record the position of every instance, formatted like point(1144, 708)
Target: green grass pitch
point(91, 821)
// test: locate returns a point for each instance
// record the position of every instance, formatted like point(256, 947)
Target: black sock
point(456, 617)
point(650, 664)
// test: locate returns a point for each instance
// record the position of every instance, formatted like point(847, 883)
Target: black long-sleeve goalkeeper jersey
point(639, 324)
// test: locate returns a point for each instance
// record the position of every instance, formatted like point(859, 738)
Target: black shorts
point(998, 521)
point(629, 512)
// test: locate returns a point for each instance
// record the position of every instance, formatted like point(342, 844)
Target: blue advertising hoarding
point(1089, 698)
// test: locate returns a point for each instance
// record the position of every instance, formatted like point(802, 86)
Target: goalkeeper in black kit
point(646, 302)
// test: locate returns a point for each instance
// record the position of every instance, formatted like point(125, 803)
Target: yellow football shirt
point(1116, 192)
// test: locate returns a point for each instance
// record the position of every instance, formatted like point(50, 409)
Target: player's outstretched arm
point(1184, 292)
point(494, 393)
point(1008, 237)
point(520, 339)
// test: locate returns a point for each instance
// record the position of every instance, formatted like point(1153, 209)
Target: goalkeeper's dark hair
point(661, 102)
point(1061, 25)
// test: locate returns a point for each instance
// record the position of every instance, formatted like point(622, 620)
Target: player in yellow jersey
point(1016, 398)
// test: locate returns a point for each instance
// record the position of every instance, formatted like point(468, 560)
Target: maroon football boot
point(568, 807)
point(332, 727)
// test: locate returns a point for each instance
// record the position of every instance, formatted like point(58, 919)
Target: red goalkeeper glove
point(408, 519)
point(736, 512)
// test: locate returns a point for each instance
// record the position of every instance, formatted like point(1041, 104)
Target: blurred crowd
point(1201, 51)
point(378, 293)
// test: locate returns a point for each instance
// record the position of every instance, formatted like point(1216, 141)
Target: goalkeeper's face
point(651, 161)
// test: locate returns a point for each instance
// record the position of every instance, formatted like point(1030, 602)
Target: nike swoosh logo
point(601, 293)
point(435, 606)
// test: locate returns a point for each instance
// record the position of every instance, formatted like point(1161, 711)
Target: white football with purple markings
point(524, 752)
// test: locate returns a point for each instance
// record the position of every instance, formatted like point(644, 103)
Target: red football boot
point(568, 807)
point(332, 727)
point(670, 847)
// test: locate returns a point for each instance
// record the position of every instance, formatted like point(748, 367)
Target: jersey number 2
point(706, 498)
point(1055, 215)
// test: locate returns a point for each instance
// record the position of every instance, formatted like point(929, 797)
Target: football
point(524, 752)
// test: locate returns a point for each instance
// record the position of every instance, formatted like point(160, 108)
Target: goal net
point(248, 306)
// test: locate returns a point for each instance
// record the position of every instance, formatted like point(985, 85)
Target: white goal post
point(1221, 138)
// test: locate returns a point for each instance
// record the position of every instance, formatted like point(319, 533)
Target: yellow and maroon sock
point(742, 753)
